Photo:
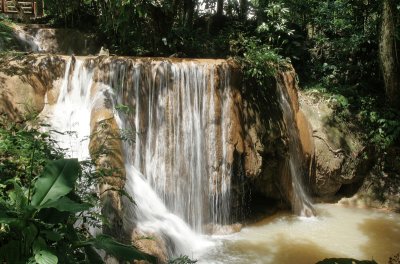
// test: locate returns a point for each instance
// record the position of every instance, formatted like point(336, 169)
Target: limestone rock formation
point(25, 81)
point(342, 161)
point(151, 244)
point(37, 38)
point(267, 139)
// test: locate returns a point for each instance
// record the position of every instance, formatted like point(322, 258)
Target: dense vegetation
point(44, 216)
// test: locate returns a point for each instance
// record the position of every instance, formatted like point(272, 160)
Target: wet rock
point(152, 244)
point(37, 38)
point(223, 229)
point(247, 135)
point(267, 139)
point(106, 150)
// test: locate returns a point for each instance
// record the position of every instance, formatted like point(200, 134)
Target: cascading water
point(69, 117)
point(301, 204)
point(181, 122)
point(69, 121)
point(178, 167)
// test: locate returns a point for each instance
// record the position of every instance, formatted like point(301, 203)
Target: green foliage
point(69, 13)
point(42, 219)
point(24, 151)
point(182, 260)
point(8, 41)
point(383, 124)
point(122, 251)
point(260, 63)
point(379, 124)
point(57, 180)
point(275, 24)
point(344, 42)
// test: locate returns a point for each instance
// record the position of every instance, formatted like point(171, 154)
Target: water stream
point(301, 203)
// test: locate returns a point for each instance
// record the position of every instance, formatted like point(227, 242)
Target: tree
point(388, 53)
point(220, 7)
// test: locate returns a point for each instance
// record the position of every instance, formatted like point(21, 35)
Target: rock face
point(267, 139)
point(56, 40)
point(256, 140)
point(342, 162)
point(24, 82)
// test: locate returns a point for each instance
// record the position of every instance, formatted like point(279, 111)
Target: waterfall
point(301, 203)
point(176, 119)
point(69, 117)
point(179, 114)
point(158, 210)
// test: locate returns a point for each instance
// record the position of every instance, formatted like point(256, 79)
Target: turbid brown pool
point(336, 232)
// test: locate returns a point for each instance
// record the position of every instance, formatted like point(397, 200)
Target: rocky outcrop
point(25, 81)
point(267, 139)
point(37, 38)
point(256, 131)
point(151, 244)
point(342, 160)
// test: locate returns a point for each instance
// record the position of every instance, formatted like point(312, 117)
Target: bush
point(43, 219)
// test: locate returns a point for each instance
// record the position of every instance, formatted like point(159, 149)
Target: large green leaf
point(46, 257)
point(51, 235)
point(57, 180)
point(120, 251)
point(64, 204)
point(53, 216)
point(9, 220)
point(7, 217)
point(29, 232)
point(17, 197)
point(39, 244)
point(92, 255)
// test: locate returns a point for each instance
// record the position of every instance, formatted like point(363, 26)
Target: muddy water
point(336, 232)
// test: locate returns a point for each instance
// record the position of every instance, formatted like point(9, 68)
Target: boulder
point(342, 160)
point(24, 82)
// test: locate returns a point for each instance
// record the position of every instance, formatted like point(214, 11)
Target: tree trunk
point(388, 53)
point(220, 7)
point(188, 7)
point(244, 6)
